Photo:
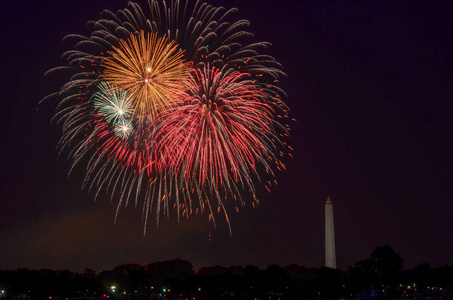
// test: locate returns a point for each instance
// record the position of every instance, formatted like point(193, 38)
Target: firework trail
point(174, 109)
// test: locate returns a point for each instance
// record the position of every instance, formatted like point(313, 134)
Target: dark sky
point(371, 85)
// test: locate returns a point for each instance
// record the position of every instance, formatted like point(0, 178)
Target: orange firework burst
point(151, 69)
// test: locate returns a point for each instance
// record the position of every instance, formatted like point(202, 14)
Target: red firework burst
point(219, 131)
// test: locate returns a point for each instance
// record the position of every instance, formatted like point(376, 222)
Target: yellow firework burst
point(150, 69)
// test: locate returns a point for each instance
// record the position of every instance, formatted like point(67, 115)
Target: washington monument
point(329, 236)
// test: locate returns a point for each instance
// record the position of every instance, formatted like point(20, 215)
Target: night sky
point(371, 85)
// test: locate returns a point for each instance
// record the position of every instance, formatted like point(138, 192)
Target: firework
point(123, 128)
point(175, 109)
point(223, 128)
point(150, 69)
point(113, 103)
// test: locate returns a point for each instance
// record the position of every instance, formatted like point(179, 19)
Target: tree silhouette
point(386, 263)
point(129, 276)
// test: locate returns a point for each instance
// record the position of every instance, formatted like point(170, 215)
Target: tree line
point(380, 275)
